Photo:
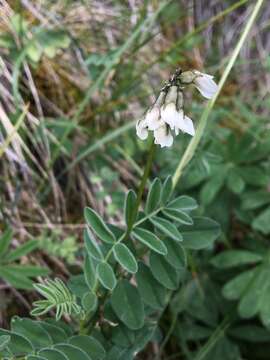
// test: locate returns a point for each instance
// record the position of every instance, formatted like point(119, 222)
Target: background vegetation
point(75, 76)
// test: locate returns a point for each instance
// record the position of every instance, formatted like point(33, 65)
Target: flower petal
point(152, 118)
point(141, 129)
point(189, 127)
point(205, 84)
point(163, 136)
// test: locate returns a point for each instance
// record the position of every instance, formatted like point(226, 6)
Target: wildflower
point(205, 84)
point(163, 136)
point(141, 129)
point(185, 124)
point(152, 117)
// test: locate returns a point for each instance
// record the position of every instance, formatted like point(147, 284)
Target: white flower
point(184, 123)
point(205, 84)
point(141, 129)
point(163, 136)
point(152, 118)
point(189, 127)
point(170, 115)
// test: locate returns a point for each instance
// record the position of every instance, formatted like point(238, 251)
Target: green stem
point(144, 180)
point(204, 118)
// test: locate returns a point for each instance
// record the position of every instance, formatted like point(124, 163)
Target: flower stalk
point(188, 154)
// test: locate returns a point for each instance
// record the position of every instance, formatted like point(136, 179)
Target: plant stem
point(144, 180)
point(204, 118)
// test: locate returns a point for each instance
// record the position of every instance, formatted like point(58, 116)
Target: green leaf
point(177, 215)
point(153, 197)
point(125, 258)
point(183, 203)
point(22, 250)
point(250, 301)
point(176, 255)
point(164, 273)
point(72, 352)
point(90, 345)
point(250, 333)
point(211, 188)
point(4, 341)
point(106, 275)
point(166, 227)
point(52, 354)
point(98, 226)
point(265, 304)
point(89, 301)
point(129, 207)
point(261, 222)
point(127, 304)
point(17, 280)
point(231, 258)
point(35, 357)
point(255, 199)
point(150, 240)
point(253, 175)
point(91, 246)
point(5, 241)
point(18, 344)
point(89, 272)
point(166, 190)
point(56, 333)
point(235, 287)
point(234, 181)
point(201, 234)
point(152, 293)
point(32, 331)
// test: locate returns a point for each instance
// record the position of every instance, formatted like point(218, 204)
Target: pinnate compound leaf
point(150, 240)
point(127, 304)
point(99, 227)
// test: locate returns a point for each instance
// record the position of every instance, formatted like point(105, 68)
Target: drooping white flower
point(152, 118)
point(169, 113)
point(184, 123)
point(163, 136)
point(141, 129)
point(205, 84)
point(189, 127)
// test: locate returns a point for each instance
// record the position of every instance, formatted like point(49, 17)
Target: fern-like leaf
point(57, 296)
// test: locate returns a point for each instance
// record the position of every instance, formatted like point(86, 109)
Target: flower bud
point(187, 77)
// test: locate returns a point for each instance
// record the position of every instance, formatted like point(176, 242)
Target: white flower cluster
point(166, 115)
